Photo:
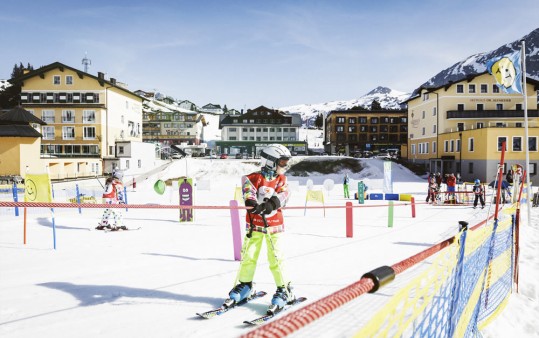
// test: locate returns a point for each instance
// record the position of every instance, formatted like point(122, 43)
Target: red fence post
point(349, 220)
point(413, 206)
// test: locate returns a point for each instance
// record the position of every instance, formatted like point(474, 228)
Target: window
point(68, 116)
point(47, 116)
point(434, 150)
point(351, 129)
point(68, 133)
point(434, 111)
point(413, 149)
point(499, 106)
point(140, 163)
point(127, 164)
point(120, 149)
point(452, 146)
point(470, 168)
point(423, 131)
point(339, 129)
point(532, 143)
point(517, 143)
point(89, 133)
point(460, 107)
point(501, 140)
point(56, 79)
point(533, 168)
point(423, 114)
point(480, 107)
point(69, 79)
point(340, 119)
point(88, 116)
point(471, 88)
point(484, 88)
point(351, 120)
point(518, 106)
point(495, 88)
point(460, 88)
point(48, 132)
point(446, 146)
point(458, 146)
point(460, 126)
point(479, 125)
point(470, 144)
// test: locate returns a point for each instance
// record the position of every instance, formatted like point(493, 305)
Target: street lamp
point(460, 152)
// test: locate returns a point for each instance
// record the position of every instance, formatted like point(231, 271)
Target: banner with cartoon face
point(186, 198)
point(37, 188)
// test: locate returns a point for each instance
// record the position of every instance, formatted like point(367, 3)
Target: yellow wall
point(16, 153)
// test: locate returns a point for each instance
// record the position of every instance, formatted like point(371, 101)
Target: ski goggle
point(282, 162)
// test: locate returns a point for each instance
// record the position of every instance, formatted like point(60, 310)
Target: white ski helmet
point(272, 154)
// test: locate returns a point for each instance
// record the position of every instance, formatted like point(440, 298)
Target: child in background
point(113, 194)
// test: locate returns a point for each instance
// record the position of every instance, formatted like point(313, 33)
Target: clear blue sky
point(250, 53)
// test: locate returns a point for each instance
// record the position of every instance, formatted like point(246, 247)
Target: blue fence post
point(15, 198)
point(78, 197)
point(125, 197)
point(455, 292)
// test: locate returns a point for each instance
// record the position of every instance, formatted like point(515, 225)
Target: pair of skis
point(257, 321)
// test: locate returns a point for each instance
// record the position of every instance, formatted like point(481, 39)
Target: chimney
point(113, 81)
point(101, 75)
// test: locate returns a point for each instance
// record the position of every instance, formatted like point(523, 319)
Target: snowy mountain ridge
point(476, 64)
point(388, 99)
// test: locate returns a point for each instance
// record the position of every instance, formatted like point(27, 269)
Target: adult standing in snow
point(264, 192)
point(113, 194)
point(478, 191)
point(345, 186)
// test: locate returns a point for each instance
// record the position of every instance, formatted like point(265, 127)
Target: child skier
point(265, 192)
point(478, 192)
point(432, 190)
point(345, 186)
point(113, 194)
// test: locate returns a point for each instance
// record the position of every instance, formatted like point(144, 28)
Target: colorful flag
point(37, 188)
point(507, 71)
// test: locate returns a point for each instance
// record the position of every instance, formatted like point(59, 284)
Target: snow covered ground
point(151, 282)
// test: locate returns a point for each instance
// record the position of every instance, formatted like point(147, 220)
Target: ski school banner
point(388, 183)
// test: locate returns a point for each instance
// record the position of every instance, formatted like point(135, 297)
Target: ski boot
point(282, 297)
point(100, 226)
point(239, 293)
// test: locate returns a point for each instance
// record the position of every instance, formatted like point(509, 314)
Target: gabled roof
point(19, 116)
point(58, 65)
point(18, 131)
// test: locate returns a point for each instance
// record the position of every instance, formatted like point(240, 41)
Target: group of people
point(434, 187)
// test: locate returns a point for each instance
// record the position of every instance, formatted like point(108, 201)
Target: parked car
point(384, 156)
point(239, 156)
point(223, 156)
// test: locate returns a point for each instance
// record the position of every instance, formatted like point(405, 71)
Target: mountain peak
point(379, 90)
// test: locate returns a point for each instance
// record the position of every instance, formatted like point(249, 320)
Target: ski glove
point(272, 204)
point(266, 207)
point(256, 209)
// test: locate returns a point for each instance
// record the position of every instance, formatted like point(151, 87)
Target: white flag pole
point(527, 140)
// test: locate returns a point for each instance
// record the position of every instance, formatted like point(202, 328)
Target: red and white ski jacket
point(113, 192)
point(260, 187)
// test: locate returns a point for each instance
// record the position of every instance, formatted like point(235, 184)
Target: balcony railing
point(485, 114)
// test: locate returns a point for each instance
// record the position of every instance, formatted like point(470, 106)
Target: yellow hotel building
point(459, 128)
point(85, 114)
